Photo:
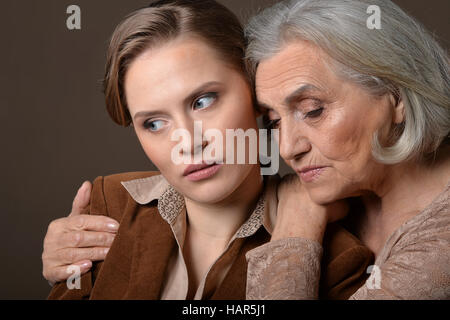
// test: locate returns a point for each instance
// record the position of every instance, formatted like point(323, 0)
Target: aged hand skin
point(299, 217)
point(77, 239)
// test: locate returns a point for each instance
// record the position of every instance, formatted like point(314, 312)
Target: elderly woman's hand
point(298, 216)
point(77, 239)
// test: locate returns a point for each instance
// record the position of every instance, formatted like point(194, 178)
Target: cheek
point(241, 107)
point(236, 113)
point(346, 139)
point(241, 116)
point(156, 152)
point(346, 143)
point(341, 135)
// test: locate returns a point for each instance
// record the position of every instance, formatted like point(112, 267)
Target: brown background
point(55, 132)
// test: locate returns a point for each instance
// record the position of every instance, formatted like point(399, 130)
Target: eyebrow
point(145, 114)
point(299, 92)
point(195, 93)
point(293, 96)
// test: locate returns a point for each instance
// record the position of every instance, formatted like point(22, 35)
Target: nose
point(293, 141)
point(197, 148)
point(194, 144)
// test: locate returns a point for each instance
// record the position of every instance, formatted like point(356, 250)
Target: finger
point(68, 256)
point(91, 223)
point(63, 273)
point(82, 198)
point(85, 239)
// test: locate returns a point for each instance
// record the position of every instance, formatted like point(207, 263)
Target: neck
point(219, 221)
point(406, 190)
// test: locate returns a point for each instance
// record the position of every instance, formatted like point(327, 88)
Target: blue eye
point(204, 102)
point(154, 126)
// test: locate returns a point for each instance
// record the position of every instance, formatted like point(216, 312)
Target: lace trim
point(171, 203)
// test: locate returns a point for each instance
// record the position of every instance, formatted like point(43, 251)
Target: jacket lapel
point(154, 244)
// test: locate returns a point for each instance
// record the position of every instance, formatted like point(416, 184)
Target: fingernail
point(86, 265)
point(105, 251)
point(113, 226)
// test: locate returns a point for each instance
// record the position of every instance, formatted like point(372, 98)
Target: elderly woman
point(364, 114)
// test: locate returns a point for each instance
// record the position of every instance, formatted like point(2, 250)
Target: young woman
point(184, 231)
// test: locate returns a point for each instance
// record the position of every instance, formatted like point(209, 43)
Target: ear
point(399, 111)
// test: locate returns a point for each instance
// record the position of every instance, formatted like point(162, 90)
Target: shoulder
point(416, 267)
point(430, 228)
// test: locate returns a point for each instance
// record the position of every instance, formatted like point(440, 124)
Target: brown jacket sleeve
point(344, 264)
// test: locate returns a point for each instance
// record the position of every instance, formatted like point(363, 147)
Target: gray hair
point(401, 59)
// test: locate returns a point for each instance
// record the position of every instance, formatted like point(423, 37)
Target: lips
point(309, 174)
point(195, 167)
point(197, 172)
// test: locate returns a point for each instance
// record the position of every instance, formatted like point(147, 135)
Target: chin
point(218, 188)
point(324, 195)
point(209, 192)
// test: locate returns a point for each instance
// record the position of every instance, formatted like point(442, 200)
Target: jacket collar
point(145, 190)
point(171, 202)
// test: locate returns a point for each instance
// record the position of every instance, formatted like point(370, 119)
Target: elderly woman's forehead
point(294, 65)
point(297, 56)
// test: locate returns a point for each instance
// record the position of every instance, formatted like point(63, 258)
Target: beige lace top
point(413, 264)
